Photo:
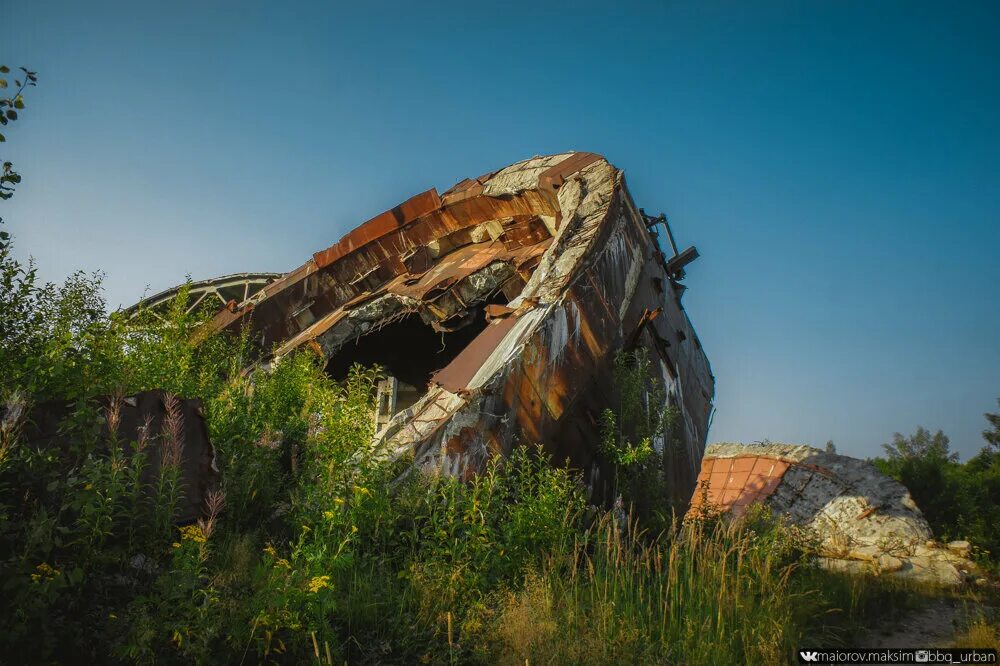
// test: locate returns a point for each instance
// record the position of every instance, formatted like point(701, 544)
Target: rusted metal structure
point(139, 422)
point(497, 309)
point(215, 292)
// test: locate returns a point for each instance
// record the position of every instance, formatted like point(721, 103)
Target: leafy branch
point(627, 434)
point(9, 106)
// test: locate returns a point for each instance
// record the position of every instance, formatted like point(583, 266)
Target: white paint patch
point(558, 333)
point(631, 282)
point(550, 223)
point(670, 389)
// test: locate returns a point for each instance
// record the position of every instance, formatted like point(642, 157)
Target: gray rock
point(963, 548)
point(888, 564)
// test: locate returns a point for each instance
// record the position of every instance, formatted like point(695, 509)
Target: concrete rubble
point(861, 519)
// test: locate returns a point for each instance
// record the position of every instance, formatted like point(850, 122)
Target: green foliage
point(59, 342)
point(628, 433)
point(992, 434)
point(722, 592)
point(9, 106)
point(322, 547)
point(959, 500)
point(920, 445)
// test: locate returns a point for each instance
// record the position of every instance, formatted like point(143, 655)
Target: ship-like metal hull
point(497, 310)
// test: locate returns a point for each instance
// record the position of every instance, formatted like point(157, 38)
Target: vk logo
point(809, 656)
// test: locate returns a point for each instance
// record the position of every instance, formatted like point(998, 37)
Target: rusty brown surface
point(553, 261)
point(732, 484)
point(456, 375)
point(380, 226)
point(143, 411)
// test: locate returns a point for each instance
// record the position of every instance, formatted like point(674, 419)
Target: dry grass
point(981, 634)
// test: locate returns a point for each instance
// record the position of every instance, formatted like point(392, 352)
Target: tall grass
point(739, 591)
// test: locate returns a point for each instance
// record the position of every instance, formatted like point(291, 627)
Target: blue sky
point(834, 162)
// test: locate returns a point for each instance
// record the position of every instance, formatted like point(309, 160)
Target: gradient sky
point(836, 163)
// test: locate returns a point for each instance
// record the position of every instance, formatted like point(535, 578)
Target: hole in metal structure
point(410, 351)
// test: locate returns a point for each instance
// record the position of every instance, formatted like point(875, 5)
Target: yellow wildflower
point(318, 583)
point(192, 533)
point(283, 563)
point(269, 549)
point(175, 545)
point(44, 572)
point(328, 515)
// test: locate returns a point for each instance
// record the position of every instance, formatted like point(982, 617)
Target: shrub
point(959, 500)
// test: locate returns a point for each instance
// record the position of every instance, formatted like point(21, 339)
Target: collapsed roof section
point(497, 309)
point(862, 519)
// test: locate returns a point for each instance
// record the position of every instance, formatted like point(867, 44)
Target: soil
point(932, 625)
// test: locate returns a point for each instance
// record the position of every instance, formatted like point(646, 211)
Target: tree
point(992, 437)
point(959, 500)
point(19, 294)
point(925, 464)
point(830, 446)
point(920, 445)
point(9, 106)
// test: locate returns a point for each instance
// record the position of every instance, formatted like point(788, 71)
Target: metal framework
point(214, 292)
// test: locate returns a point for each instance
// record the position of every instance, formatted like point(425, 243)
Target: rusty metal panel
point(735, 483)
point(418, 260)
point(147, 411)
point(467, 189)
point(456, 375)
point(380, 225)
